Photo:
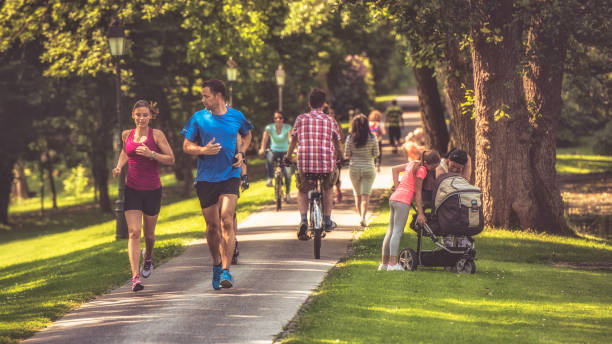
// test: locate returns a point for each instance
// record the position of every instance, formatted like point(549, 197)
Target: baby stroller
point(455, 218)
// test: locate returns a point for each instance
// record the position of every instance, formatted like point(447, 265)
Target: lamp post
point(280, 82)
point(116, 42)
point(232, 73)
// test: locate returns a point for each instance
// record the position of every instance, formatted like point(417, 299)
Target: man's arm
point(292, 145)
point(191, 148)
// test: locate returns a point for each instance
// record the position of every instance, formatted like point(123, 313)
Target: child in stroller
point(456, 216)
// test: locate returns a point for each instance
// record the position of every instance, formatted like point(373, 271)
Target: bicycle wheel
point(278, 190)
point(316, 218)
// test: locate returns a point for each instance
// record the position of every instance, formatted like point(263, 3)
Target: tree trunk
point(432, 111)
point(41, 171)
point(543, 82)
point(49, 168)
point(21, 181)
point(99, 171)
point(458, 75)
point(503, 132)
point(6, 179)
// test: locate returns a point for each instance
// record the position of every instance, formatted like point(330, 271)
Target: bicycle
point(315, 204)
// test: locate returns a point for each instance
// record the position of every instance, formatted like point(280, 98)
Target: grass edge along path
point(516, 295)
point(49, 266)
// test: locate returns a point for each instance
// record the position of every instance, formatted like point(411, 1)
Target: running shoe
point(382, 267)
point(302, 235)
point(137, 284)
point(217, 270)
point(269, 183)
point(147, 266)
point(226, 279)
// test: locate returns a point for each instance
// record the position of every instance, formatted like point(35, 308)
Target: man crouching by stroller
point(409, 187)
point(456, 161)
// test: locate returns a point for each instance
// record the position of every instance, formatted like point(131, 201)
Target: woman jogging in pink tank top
point(143, 149)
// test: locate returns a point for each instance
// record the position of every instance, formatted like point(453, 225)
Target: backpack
point(458, 206)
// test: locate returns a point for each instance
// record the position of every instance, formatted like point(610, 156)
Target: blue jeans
point(270, 156)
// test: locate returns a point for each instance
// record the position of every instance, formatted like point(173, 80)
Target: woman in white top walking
point(361, 148)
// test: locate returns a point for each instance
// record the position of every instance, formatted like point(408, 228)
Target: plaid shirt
point(316, 133)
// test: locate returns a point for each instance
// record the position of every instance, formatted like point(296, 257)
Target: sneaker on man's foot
point(147, 266)
point(217, 270)
point(382, 267)
point(269, 183)
point(137, 284)
point(302, 235)
point(226, 279)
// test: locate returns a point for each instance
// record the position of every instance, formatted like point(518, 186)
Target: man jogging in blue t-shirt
point(218, 179)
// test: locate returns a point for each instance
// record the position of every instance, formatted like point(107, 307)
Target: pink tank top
point(406, 188)
point(143, 173)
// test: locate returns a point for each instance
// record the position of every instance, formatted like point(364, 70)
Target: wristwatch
point(153, 154)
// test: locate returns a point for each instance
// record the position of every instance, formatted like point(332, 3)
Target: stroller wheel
point(465, 266)
point(408, 259)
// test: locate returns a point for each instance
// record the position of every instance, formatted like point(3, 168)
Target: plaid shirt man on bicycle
point(317, 137)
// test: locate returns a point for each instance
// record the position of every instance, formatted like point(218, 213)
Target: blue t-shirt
point(278, 143)
point(204, 126)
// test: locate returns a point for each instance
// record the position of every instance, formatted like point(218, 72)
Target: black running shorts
point(147, 201)
point(209, 192)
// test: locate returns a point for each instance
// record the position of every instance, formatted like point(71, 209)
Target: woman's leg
point(387, 239)
point(149, 223)
point(269, 167)
point(134, 222)
point(364, 200)
point(355, 180)
point(367, 180)
point(400, 217)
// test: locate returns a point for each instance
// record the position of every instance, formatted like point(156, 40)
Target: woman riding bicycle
point(278, 134)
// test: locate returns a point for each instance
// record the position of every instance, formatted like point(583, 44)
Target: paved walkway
point(275, 275)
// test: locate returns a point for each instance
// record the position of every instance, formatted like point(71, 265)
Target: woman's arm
point(264, 142)
point(395, 171)
point(375, 151)
point(467, 170)
point(166, 157)
point(347, 147)
point(122, 156)
point(418, 186)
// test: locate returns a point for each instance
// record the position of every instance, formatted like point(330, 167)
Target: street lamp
point(116, 42)
point(232, 73)
point(280, 81)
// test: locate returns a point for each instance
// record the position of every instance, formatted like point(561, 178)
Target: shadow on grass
point(39, 291)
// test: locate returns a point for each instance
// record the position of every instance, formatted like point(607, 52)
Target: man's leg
point(213, 231)
point(302, 200)
point(227, 202)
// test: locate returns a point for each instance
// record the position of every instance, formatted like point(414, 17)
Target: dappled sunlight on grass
point(516, 295)
point(574, 163)
point(51, 264)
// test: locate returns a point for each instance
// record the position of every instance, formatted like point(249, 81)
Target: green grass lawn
point(516, 295)
point(570, 163)
point(50, 265)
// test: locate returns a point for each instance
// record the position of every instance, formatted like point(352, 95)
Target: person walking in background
point(378, 130)
point(394, 121)
point(218, 177)
point(278, 135)
point(361, 148)
point(410, 186)
point(143, 149)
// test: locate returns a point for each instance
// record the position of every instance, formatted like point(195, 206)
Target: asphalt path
point(275, 275)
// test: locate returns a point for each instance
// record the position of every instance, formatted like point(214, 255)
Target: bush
point(603, 140)
point(77, 181)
